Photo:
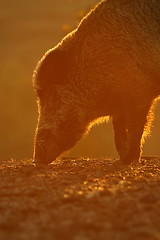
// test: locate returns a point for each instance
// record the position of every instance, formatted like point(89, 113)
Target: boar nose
point(39, 154)
point(42, 138)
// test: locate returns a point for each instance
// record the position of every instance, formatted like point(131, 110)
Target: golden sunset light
point(80, 120)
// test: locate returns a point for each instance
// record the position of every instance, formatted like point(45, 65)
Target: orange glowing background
point(28, 29)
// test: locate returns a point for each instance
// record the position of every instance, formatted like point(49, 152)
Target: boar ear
point(52, 68)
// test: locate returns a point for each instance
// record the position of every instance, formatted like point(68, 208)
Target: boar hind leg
point(120, 135)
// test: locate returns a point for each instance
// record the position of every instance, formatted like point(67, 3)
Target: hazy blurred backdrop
point(28, 29)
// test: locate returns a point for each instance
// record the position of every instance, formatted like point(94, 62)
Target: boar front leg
point(135, 123)
point(120, 135)
point(128, 131)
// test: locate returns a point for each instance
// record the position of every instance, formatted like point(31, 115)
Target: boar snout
point(44, 147)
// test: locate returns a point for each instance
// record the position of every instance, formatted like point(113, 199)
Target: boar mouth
point(43, 160)
point(45, 153)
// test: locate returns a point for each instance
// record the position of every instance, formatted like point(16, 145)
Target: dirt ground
point(80, 199)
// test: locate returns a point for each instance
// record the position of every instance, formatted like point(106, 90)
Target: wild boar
point(109, 66)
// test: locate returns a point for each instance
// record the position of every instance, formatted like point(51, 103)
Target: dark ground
point(80, 199)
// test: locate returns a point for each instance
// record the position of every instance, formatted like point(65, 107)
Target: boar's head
point(58, 127)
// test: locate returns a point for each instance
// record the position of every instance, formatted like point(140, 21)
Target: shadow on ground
point(80, 199)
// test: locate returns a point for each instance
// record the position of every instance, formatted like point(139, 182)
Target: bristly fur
point(109, 66)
